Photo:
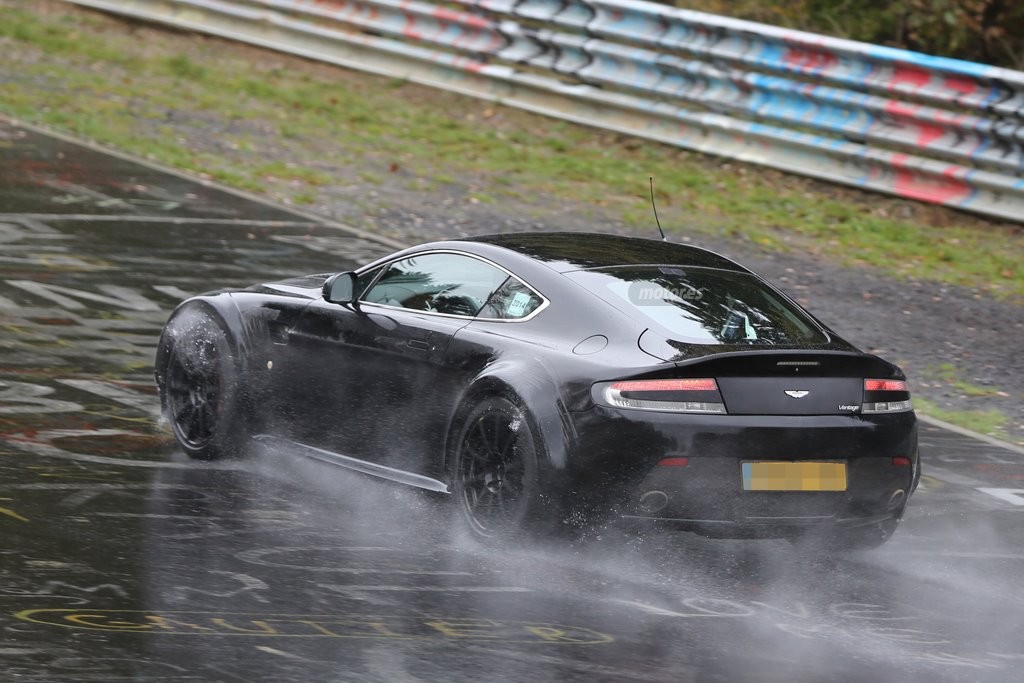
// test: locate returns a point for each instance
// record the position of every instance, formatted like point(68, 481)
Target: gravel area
point(944, 337)
point(923, 326)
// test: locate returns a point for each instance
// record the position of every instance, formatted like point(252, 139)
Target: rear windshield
point(702, 305)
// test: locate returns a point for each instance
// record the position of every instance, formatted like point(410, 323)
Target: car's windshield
point(703, 305)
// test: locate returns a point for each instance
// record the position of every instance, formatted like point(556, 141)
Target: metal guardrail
point(928, 128)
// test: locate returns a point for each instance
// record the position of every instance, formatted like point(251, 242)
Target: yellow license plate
point(794, 476)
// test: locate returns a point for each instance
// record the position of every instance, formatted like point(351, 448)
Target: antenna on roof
point(655, 207)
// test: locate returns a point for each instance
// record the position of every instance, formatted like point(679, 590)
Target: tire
point(495, 472)
point(864, 538)
point(199, 392)
point(839, 542)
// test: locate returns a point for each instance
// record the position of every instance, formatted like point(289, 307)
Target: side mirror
point(340, 288)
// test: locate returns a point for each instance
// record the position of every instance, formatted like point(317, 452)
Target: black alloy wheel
point(199, 389)
point(496, 470)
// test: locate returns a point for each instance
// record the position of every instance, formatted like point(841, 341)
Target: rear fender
point(527, 384)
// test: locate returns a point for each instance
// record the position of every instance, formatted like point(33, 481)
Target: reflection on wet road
point(122, 560)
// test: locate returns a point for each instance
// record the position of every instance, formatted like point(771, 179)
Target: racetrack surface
point(123, 560)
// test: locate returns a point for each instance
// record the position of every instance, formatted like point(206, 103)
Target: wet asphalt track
point(122, 560)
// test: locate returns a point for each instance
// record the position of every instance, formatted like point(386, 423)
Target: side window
point(440, 283)
point(364, 280)
point(512, 301)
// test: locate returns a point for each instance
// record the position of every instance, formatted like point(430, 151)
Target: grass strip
point(99, 80)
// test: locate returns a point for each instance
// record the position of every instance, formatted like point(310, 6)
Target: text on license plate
point(794, 476)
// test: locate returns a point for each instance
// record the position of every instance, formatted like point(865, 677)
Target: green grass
point(98, 80)
point(288, 171)
point(66, 34)
point(184, 68)
point(952, 377)
point(991, 422)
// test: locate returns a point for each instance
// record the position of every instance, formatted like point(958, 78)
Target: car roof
point(566, 251)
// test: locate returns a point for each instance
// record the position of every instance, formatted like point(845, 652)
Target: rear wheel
point(844, 541)
point(864, 538)
point(200, 388)
point(495, 470)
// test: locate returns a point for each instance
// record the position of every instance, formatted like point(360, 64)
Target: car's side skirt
point(400, 476)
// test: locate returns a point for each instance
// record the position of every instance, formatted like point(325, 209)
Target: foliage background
point(988, 31)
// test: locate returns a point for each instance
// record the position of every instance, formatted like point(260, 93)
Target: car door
point(385, 380)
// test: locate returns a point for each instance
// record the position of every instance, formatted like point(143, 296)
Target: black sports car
point(555, 379)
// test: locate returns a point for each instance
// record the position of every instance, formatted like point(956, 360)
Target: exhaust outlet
point(896, 498)
point(652, 501)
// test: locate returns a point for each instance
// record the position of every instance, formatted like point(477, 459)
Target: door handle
point(419, 344)
point(278, 332)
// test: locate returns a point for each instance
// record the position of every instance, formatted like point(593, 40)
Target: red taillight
point(666, 385)
point(900, 461)
point(885, 396)
point(685, 395)
point(885, 385)
point(673, 462)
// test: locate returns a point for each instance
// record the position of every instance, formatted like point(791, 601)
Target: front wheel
point(495, 471)
point(199, 388)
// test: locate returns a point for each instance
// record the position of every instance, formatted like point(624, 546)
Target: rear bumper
point(707, 494)
point(764, 528)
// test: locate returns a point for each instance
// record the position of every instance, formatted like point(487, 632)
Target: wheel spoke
point(184, 414)
point(482, 500)
point(502, 450)
point(485, 441)
point(477, 479)
point(492, 472)
point(194, 389)
point(476, 455)
point(207, 419)
point(191, 427)
point(498, 432)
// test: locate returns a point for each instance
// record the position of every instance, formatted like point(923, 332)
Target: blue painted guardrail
point(927, 128)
